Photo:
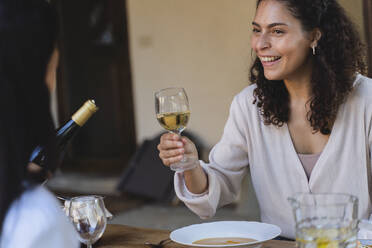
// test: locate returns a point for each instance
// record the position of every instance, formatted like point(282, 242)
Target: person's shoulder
point(363, 87)
point(40, 199)
point(50, 222)
point(38, 206)
point(37, 218)
point(245, 96)
point(247, 92)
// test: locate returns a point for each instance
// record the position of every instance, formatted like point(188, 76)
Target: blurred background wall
point(201, 45)
point(120, 52)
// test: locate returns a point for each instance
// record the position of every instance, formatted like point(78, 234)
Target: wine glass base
point(186, 164)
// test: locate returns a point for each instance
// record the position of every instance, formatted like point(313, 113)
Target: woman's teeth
point(269, 59)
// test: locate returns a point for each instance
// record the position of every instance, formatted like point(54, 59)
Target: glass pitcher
point(325, 220)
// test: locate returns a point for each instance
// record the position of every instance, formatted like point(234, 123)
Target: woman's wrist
point(190, 164)
point(192, 167)
point(196, 179)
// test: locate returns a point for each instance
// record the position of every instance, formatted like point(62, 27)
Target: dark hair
point(28, 32)
point(339, 56)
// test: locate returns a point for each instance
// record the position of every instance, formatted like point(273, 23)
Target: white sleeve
point(58, 235)
point(35, 220)
point(365, 231)
point(56, 232)
point(227, 167)
point(185, 191)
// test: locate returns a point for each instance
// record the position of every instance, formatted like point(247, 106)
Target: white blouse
point(36, 220)
point(344, 165)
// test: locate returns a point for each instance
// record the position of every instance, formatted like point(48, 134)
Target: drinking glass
point(325, 220)
point(173, 113)
point(87, 214)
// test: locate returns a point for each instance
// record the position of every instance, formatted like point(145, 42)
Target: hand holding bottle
point(64, 135)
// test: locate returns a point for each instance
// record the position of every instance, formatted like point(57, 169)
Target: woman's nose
point(263, 42)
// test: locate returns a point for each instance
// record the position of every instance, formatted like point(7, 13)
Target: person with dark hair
point(303, 125)
point(30, 215)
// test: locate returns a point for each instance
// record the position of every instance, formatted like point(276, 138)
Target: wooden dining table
point(122, 236)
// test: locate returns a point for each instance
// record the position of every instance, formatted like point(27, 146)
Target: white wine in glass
point(174, 122)
point(173, 113)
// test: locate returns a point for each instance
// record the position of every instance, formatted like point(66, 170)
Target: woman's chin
point(272, 77)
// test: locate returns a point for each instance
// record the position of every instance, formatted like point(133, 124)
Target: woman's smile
point(268, 61)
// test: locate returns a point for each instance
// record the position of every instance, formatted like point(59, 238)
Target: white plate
point(244, 229)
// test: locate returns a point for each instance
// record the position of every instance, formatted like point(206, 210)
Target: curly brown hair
point(339, 56)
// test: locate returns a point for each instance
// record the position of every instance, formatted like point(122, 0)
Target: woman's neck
point(298, 90)
point(299, 85)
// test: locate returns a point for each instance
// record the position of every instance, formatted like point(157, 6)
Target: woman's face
point(279, 41)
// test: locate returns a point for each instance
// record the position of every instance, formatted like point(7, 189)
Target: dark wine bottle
point(66, 132)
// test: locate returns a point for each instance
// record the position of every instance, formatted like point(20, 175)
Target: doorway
point(94, 64)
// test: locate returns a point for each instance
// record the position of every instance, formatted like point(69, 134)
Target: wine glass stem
point(183, 160)
point(176, 132)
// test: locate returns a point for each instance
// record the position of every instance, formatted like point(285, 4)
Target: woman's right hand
point(173, 147)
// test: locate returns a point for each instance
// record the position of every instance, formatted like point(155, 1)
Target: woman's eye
point(277, 31)
point(255, 30)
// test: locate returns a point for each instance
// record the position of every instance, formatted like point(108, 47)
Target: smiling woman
point(313, 44)
point(304, 125)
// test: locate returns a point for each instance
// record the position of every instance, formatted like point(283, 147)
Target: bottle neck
point(66, 132)
point(84, 113)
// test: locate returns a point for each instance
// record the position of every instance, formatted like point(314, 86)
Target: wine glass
point(173, 113)
point(87, 214)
